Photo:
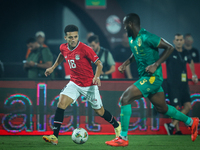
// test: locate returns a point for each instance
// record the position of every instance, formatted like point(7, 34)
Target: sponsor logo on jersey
point(139, 42)
point(77, 57)
point(131, 41)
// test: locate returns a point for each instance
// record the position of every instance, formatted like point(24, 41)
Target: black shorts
point(179, 96)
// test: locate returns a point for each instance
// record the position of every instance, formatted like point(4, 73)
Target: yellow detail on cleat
point(118, 130)
point(51, 139)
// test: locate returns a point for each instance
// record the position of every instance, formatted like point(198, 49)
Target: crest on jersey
point(77, 57)
point(131, 41)
point(139, 42)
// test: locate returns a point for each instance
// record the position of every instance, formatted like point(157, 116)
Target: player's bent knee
point(123, 101)
point(61, 105)
point(64, 101)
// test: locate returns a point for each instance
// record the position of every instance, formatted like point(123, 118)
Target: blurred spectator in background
point(121, 53)
point(178, 88)
point(39, 59)
point(89, 34)
point(188, 46)
point(104, 55)
point(40, 37)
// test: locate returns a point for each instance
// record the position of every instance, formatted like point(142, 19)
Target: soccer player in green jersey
point(144, 46)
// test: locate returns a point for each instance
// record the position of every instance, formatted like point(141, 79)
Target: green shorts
point(149, 85)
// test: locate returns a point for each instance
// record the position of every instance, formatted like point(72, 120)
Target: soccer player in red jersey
point(82, 81)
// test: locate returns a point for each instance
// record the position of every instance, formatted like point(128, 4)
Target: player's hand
point(97, 81)
point(26, 65)
point(48, 71)
point(195, 79)
point(151, 68)
point(31, 63)
point(122, 68)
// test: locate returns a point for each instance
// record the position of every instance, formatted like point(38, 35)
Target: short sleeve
point(61, 49)
point(153, 40)
point(47, 55)
point(90, 54)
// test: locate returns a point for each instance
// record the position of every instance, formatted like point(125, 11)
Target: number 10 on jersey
point(72, 64)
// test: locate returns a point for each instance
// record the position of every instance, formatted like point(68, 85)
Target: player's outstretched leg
point(158, 100)
point(58, 119)
point(191, 122)
point(64, 101)
point(122, 140)
point(130, 94)
point(109, 118)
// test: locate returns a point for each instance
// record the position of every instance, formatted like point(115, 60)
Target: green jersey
point(145, 51)
point(40, 55)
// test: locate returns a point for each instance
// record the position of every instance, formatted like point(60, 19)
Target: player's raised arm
point(59, 59)
point(99, 68)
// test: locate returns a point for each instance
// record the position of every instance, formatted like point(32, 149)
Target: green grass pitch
point(97, 142)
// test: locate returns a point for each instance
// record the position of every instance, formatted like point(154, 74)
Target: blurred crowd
point(38, 57)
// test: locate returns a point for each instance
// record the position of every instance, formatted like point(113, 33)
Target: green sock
point(125, 118)
point(175, 114)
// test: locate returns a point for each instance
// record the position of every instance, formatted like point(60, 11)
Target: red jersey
point(79, 61)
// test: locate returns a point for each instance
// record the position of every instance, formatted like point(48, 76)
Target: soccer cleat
point(118, 130)
point(169, 128)
point(194, 129)
point(51, 139)
point(117, 142)
point(178, 133)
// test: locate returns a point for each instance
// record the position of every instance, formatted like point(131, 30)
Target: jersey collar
point(74, 47)
point(140, 32)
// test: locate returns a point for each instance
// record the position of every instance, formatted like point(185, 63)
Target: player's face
point(94, 46)
point(178, 41)
point(127, 27)
point(32, 46)
point(40, 40)
point(72, 38)
point(188, 40)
